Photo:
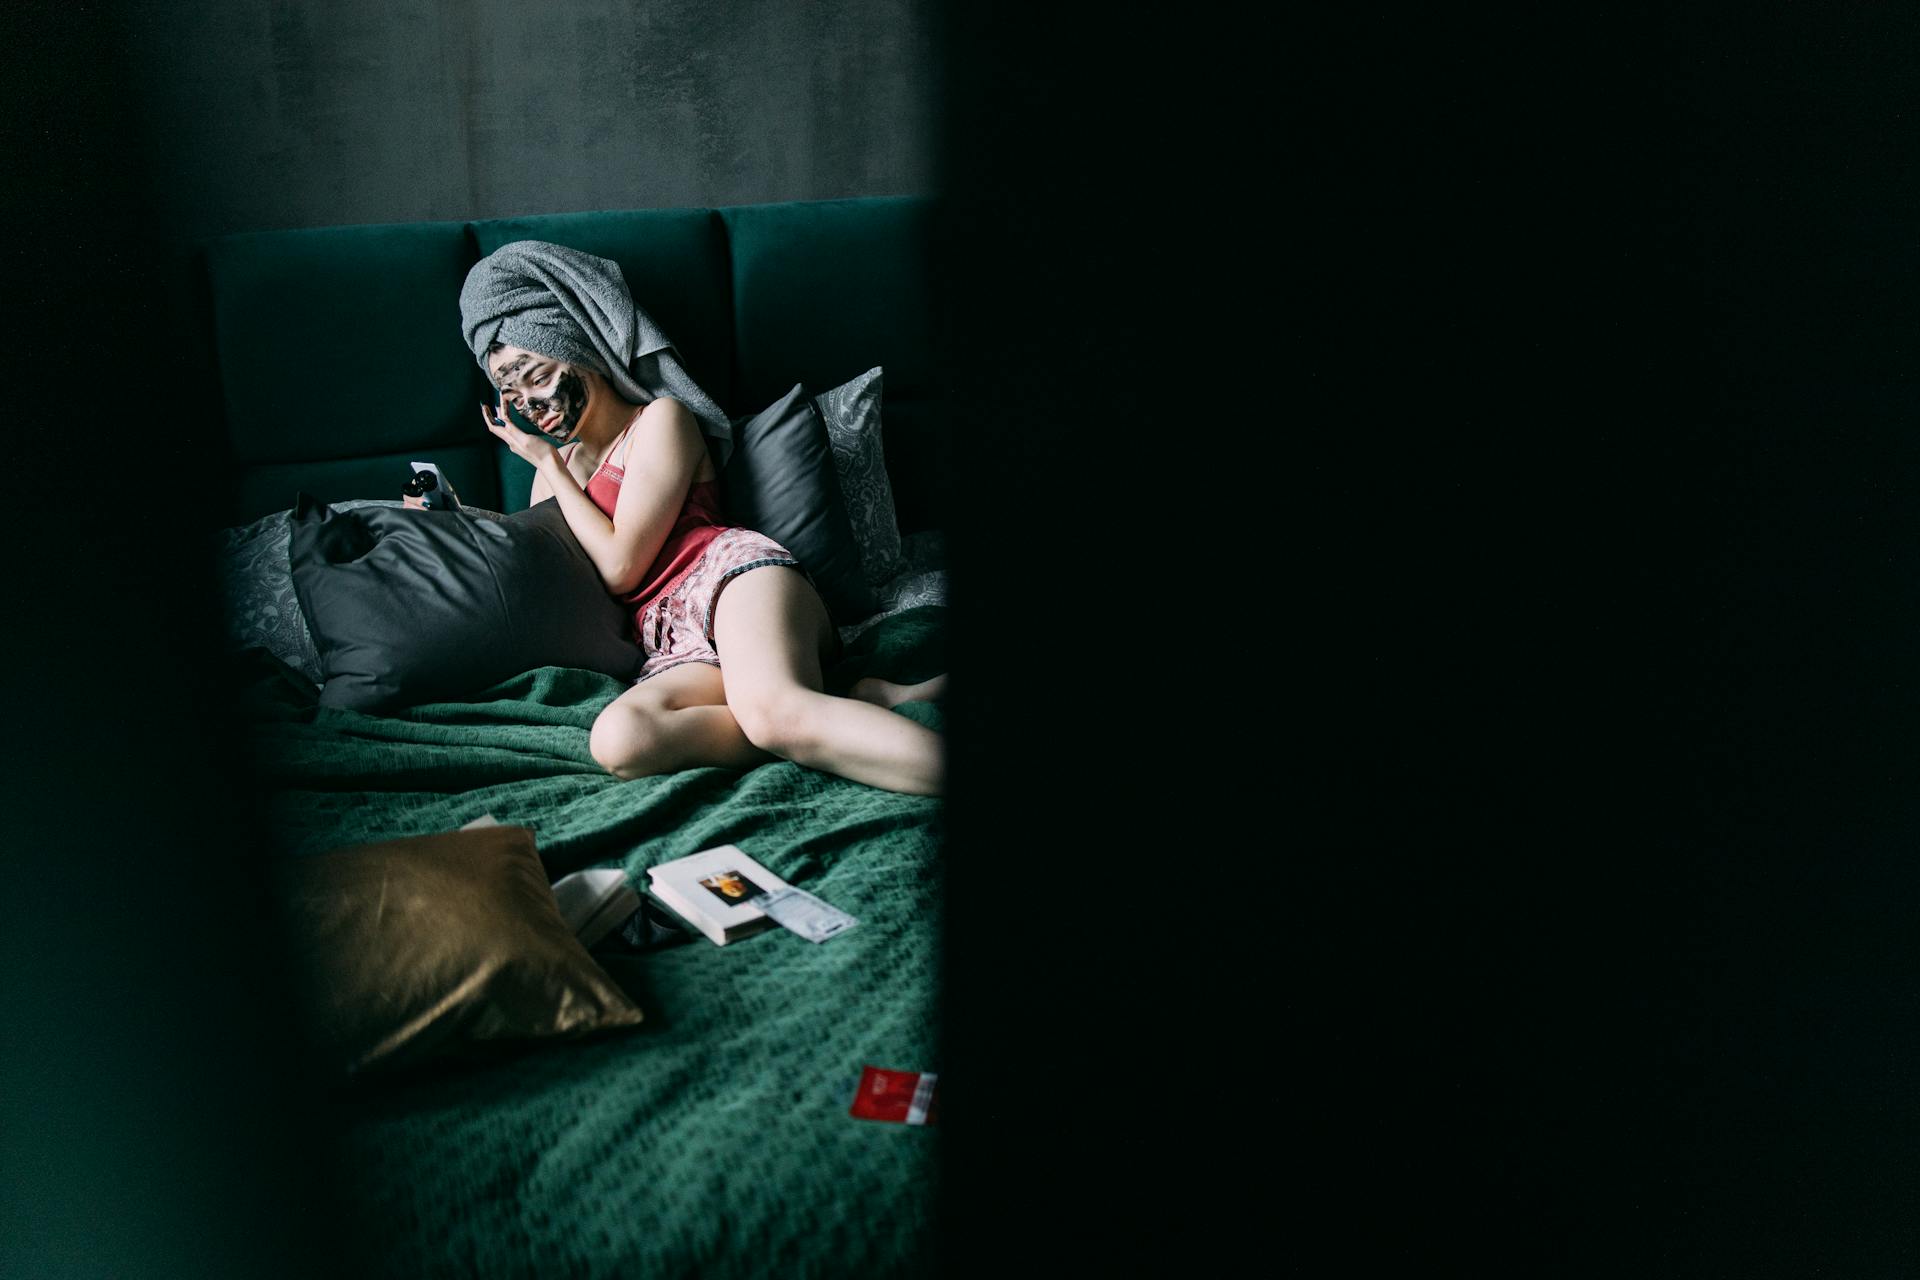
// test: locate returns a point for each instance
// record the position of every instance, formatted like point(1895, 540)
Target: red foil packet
point(903, 1097)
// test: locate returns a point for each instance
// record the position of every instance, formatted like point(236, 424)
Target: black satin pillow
point(422, 606)
point(780, 481)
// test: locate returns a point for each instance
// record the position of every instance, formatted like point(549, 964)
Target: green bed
point(714, 1139)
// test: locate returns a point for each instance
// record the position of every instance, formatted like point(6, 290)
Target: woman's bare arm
point(663, 451)
point(541, 490)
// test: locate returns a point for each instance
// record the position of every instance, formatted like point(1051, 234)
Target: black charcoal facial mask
point(518, 419)
point(568, 398)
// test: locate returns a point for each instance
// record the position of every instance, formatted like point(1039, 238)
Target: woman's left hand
point(525, 444)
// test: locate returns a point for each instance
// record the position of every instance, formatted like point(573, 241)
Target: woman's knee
point(626, 740)
point(781, 720)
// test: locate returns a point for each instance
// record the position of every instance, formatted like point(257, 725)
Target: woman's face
point(549, 393)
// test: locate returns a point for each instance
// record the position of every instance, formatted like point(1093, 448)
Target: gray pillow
point(852, 414)
point(780, 480)
point(420, 606)
point(256, 588)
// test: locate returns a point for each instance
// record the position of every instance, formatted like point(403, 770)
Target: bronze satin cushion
point(437, 943)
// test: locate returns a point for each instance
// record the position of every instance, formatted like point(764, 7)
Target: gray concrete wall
point(301, 113)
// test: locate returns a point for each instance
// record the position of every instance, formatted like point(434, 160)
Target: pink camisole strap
point(698, 524)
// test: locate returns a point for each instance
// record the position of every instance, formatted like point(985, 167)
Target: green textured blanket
point(714, 1139)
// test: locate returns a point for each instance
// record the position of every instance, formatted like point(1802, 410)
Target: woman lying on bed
point(638, 486)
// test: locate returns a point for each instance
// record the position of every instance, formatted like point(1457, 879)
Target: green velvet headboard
point(338, 355)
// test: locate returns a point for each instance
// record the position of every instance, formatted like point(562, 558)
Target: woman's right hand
point(529, 447)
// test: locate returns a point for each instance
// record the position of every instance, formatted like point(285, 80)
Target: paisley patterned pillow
point(852, 414)
point(256, 589)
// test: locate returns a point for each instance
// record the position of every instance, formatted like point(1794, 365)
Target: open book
point(593, 903)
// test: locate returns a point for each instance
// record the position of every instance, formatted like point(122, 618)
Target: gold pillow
point(413, 947)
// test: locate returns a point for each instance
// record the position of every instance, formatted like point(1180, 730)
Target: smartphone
point(435, 490)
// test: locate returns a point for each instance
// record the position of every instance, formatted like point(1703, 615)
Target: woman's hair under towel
point(576, 307)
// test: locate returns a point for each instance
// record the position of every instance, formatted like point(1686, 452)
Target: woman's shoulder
point(704, 471)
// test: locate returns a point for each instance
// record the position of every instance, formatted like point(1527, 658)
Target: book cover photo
point(713, 890)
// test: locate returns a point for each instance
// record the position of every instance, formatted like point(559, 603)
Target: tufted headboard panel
point(337, 352)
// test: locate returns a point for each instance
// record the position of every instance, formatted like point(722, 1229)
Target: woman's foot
point(885, 693)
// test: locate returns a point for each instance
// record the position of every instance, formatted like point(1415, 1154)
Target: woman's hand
point(525, 445)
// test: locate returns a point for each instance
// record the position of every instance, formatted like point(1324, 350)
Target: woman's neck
point(606, 416)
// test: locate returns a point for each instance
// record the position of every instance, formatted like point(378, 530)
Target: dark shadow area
point(155, 1119)
point(1448, 479)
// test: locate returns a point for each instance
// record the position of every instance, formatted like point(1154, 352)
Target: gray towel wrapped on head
point(572, 306)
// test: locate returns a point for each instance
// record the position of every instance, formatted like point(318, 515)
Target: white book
point(711, 889)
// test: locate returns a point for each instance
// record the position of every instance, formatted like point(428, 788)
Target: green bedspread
point(713, 1139)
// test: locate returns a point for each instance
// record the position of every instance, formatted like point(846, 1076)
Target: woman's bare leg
point(676, 720)
point(885, 693)
point(768, 629)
